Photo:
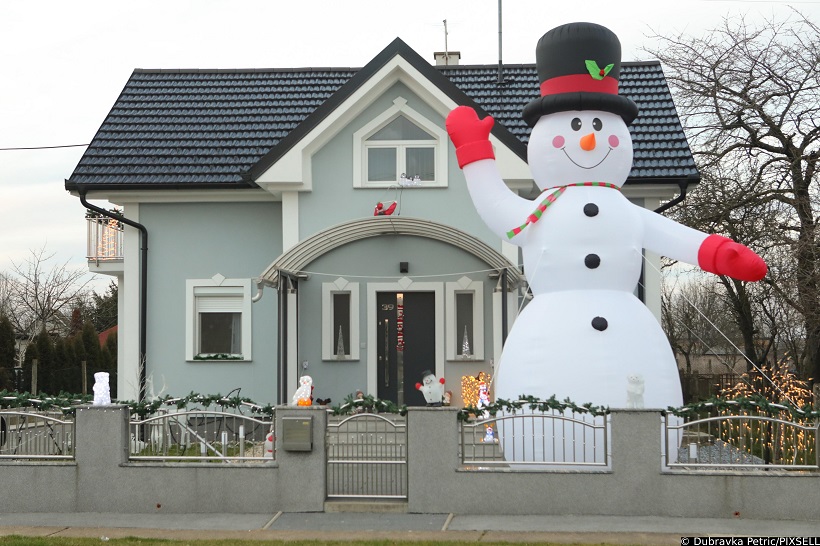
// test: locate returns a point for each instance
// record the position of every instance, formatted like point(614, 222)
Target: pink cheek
point(558, 141)
point(613, 141)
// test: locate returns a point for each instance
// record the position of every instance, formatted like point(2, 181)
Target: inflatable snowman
point(584, 334)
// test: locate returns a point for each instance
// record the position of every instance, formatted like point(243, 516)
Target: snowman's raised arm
point(712, 253)
point(498, 206)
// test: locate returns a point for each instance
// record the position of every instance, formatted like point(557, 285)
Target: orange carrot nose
point(588, 142)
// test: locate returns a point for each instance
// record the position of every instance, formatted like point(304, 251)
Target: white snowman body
point(585, 331)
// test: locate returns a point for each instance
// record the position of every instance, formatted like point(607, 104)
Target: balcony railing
point(105, 239)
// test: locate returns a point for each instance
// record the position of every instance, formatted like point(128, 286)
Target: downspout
point(683, 185)
point(143, 283)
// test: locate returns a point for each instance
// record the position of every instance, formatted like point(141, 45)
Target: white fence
point(533, 439)
point(36, 435)
point(202, 435)
point(741, 442)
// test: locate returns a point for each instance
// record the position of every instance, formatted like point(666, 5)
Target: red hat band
point(579, 83)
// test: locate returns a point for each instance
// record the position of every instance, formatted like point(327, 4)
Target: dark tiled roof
point(186, 129)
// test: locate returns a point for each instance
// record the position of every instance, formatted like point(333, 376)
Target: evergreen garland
point(63, 402)
point(367, 404)
point(533, 404)
point(746, 403)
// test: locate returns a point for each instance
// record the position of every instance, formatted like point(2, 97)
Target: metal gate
point(367, 456)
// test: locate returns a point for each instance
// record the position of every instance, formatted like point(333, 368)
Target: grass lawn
point(67, 541)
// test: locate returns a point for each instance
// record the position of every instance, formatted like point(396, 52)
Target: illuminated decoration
point(400, 322)
point(102, 391)
point(471, 387)
point(107, 247)
point(303, 395)
point(465, 346)
point(340, 345)
point(768, 441)
point(489, 435)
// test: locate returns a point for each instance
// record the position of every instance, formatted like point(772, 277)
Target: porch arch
point(297, 258)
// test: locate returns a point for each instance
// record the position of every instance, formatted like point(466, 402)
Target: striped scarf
point(552, 198)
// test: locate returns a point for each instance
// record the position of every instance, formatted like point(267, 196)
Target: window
point(400, 143)
point(341, 324)
point(401, 148)
point(465, 339)
point(218, 325)
point(340, 320)
point(465, 320)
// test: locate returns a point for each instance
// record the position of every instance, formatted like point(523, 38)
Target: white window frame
point(339, 286)
point(438, 142)
point(218, 287)
point(476, 288)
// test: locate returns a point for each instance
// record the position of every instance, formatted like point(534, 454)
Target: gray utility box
point(297, 433)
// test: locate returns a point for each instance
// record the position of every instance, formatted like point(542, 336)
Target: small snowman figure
point(270, 439)
point(582, 240)
point(489, 435)
point(102, 391)
point(431, 388)
point(483, 399)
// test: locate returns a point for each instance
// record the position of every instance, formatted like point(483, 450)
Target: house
point(250, 254)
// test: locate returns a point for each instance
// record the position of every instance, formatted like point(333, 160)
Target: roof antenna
point(500, 66)
point(446, 51)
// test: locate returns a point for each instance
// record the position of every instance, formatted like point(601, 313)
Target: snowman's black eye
point(576, 124)
point(596, 124)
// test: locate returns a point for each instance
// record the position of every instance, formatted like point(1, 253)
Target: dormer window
point(400, 147)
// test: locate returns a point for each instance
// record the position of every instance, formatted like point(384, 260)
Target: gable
point(288, 166)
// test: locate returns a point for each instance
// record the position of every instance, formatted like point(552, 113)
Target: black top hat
point(579, 65)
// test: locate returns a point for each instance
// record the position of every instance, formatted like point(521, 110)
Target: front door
point(406, 342)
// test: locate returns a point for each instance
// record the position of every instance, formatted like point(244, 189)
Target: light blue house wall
point(335, 200)
point(198, 241)
point(377, 260)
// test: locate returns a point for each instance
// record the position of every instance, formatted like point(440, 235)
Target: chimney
point(447, 58)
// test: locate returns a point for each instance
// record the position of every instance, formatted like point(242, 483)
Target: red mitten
point(470, 135)
point(722, 256)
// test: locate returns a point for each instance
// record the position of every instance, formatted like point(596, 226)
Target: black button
point(592, 261)
point(591, 209)
point(599, 323)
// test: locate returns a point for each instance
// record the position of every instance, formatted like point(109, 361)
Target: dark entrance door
point(406, 342)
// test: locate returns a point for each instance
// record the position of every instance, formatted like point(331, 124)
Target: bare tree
point(41, 297)
point(749, 98)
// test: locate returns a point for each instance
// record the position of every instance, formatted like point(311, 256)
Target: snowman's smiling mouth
point(582, 166)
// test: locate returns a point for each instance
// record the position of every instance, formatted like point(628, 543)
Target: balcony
point(104, 244)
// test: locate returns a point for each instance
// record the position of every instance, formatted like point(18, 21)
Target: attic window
point(400, 146)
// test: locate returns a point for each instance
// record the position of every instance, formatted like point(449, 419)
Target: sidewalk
point(372, 526)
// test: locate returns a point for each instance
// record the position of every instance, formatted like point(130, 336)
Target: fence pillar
point(637, 458)
point(101, 446)
point(432, 455)
point(302, 474)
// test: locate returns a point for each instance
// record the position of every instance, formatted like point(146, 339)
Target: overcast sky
point(63, 64)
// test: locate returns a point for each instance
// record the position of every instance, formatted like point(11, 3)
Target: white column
point(290, 219)
point(294, 371)
point(128, 332)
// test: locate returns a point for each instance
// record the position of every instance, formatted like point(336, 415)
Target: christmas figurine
point(584, 332)
point(431, 388)
point(303, 395)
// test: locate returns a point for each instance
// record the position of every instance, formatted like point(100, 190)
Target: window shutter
point(216, 304)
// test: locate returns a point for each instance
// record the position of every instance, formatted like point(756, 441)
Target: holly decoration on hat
point(597, 72)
